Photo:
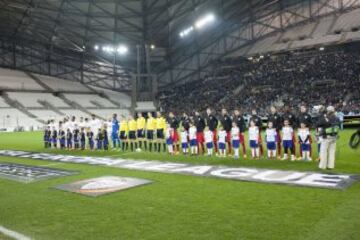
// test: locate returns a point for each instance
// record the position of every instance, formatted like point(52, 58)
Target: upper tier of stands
point(312, 77)
point(62, 85)
point(123, 99)
point(331, 29)
point(90, 100)
point(17, 80)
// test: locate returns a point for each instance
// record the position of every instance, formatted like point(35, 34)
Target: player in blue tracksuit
point(114, 131)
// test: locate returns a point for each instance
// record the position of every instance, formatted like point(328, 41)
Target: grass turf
point(176, 206)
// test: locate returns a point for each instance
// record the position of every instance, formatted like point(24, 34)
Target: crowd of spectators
point(311, 77)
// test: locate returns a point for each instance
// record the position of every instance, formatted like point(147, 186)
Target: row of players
point(196, 131)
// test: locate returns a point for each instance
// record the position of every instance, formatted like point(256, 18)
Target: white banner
point(309, 179)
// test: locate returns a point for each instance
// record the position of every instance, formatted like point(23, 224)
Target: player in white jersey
point(184, 141)
point(254, 140)
point(235, 138)
point(108, 124)
point(169, 138)
point(304, 140)
point(222, 137)
point(94, 124)
point(193, 139)
point(209, 140)
point(271, 137)
point(288, 140)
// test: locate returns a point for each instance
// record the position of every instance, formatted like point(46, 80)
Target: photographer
point(329, 125)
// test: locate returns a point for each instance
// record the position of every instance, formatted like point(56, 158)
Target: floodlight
point(321, 48)
point(208, 18)
point(122, 49)
point(187, 31)
point(96, 47)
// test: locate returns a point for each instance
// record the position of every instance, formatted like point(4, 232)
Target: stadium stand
point(45, 114)
point(61, 85)
point(17, 80)
point(145, 106)
point(122, 99)
point(13, 119)
point(90, 100)
point(3, 104)
point(313, 77)
point(28, 100)
point(347, 22)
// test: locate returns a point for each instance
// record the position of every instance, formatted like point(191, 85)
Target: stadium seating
point(3, 104)
point(12, 118)
point(45, 114)
point(145, 107)
point(11, 79)
point(123, 99)
point(62, 85)
point(107, 113)
point(346, 22)
point(312, 76)
point(90, 100)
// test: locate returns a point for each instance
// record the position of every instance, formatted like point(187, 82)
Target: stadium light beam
point(202, 22)
point(122, 50)
point(96, 47)
point(186, 32)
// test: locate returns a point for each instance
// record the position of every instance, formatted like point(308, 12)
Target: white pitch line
point(13, 234)
point(50, 164)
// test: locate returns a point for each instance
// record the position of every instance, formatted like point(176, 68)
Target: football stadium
point(180, 119)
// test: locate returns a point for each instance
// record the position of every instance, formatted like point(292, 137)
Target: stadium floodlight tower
point(144, 83)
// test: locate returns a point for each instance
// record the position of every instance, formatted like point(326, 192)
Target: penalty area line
point(13, 234)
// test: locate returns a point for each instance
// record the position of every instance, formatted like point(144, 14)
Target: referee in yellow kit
point(124, 134)
point(160, 129)
point(132, 132)
point(140, 126)
point(150, 127)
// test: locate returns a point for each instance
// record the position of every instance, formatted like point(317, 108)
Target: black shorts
point(150, 134)
point(160, 134)
point(122, 135)
point(140, 133)
point(132, 135)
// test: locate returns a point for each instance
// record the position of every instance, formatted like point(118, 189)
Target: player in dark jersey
point(212, 122)
point(69, 137)
point(305, 118)
point(99, 139)
point(105, 139)
point(62, 138)
point(54, 136)
point(76, 135)
point(174, 124)
point(240, 123)
point(226, 123)
point(185, 122)
point(82, 138)
point(200, 125)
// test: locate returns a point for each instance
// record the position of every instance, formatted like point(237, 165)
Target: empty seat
point(59, 84)
point(18, 80)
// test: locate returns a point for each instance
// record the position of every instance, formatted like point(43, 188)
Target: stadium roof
point(74, 27)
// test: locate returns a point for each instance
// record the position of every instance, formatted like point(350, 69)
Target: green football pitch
point(178, 206)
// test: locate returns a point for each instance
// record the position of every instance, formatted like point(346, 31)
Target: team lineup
point(196, 134)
